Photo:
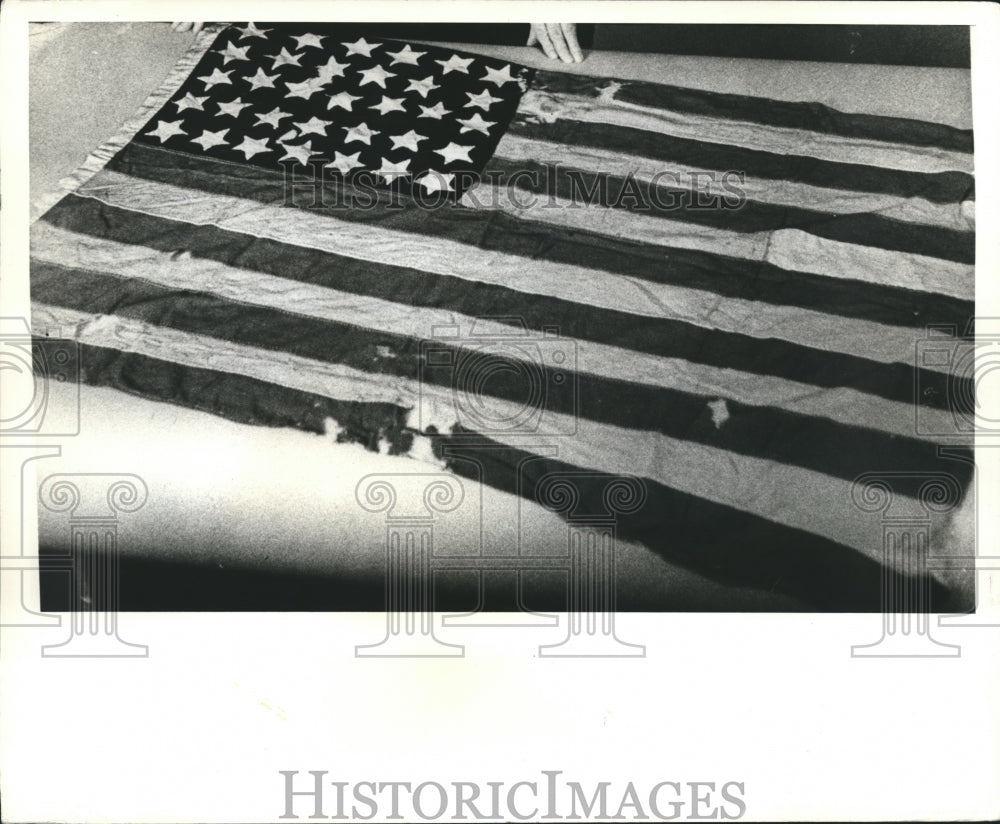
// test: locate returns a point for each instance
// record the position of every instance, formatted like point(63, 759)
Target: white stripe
point(787, 248)
point(789, 495)
point(782, 192)
point(548, 107)
point(381, 244)
point(846, 406)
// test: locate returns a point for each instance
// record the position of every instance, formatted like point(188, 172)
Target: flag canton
point(420, 119)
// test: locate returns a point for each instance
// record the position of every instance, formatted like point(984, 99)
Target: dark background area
point(157, 585)
point(942, 46)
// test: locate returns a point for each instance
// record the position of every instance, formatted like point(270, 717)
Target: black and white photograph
point(458, 361)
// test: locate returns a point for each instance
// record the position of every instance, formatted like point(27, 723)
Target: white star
point(435, 112)
point(476, 123)
point(376, 74)
point(166, 129)
point(406, 55)
point(189, 101)
point(209, 139)
point(306, 89)
point(233, 109)
point(299, 153)
point(390, 171)
point(344, 163)
point(436, 182)
point(455, 64)
point(453, 152)
point(389, 104)
point(314, 126)
point(361, 133)
point(407, 141)
point(291, 134)
point(250, 30)
point(271, 118)
point(251, 146)
point(422, 86)
point(284, 58)
point(344, 100)
point(499, 76)
point(330, 70)
point(261, 79)
point(233, 52)
point(308, 40)
point(361, 46)
point(215, 78)
point(484, 100)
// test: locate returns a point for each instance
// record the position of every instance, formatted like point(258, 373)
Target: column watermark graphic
point(499, 396)
point(93, 503)
point(33, 363)
point(587, 560)
point(26, 560)
point(982, 565)
point(905, 529)
point(934, 531)
point(500, 571)
point(591, 548)
point(970, 357)
point(503, 383)
point(27, 431)
point(412, 504)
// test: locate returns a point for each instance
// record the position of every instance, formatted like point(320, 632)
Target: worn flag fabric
point(725, 296)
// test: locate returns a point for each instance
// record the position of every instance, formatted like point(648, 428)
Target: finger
point(197, 27)
point(569, 32)
point(546, 43)
point(532, 37)
point(559, 42)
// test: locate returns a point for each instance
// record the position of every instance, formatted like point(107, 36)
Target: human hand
point(191, 27)
point(558, 40)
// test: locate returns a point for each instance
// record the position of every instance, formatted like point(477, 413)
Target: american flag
point(721, 294)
